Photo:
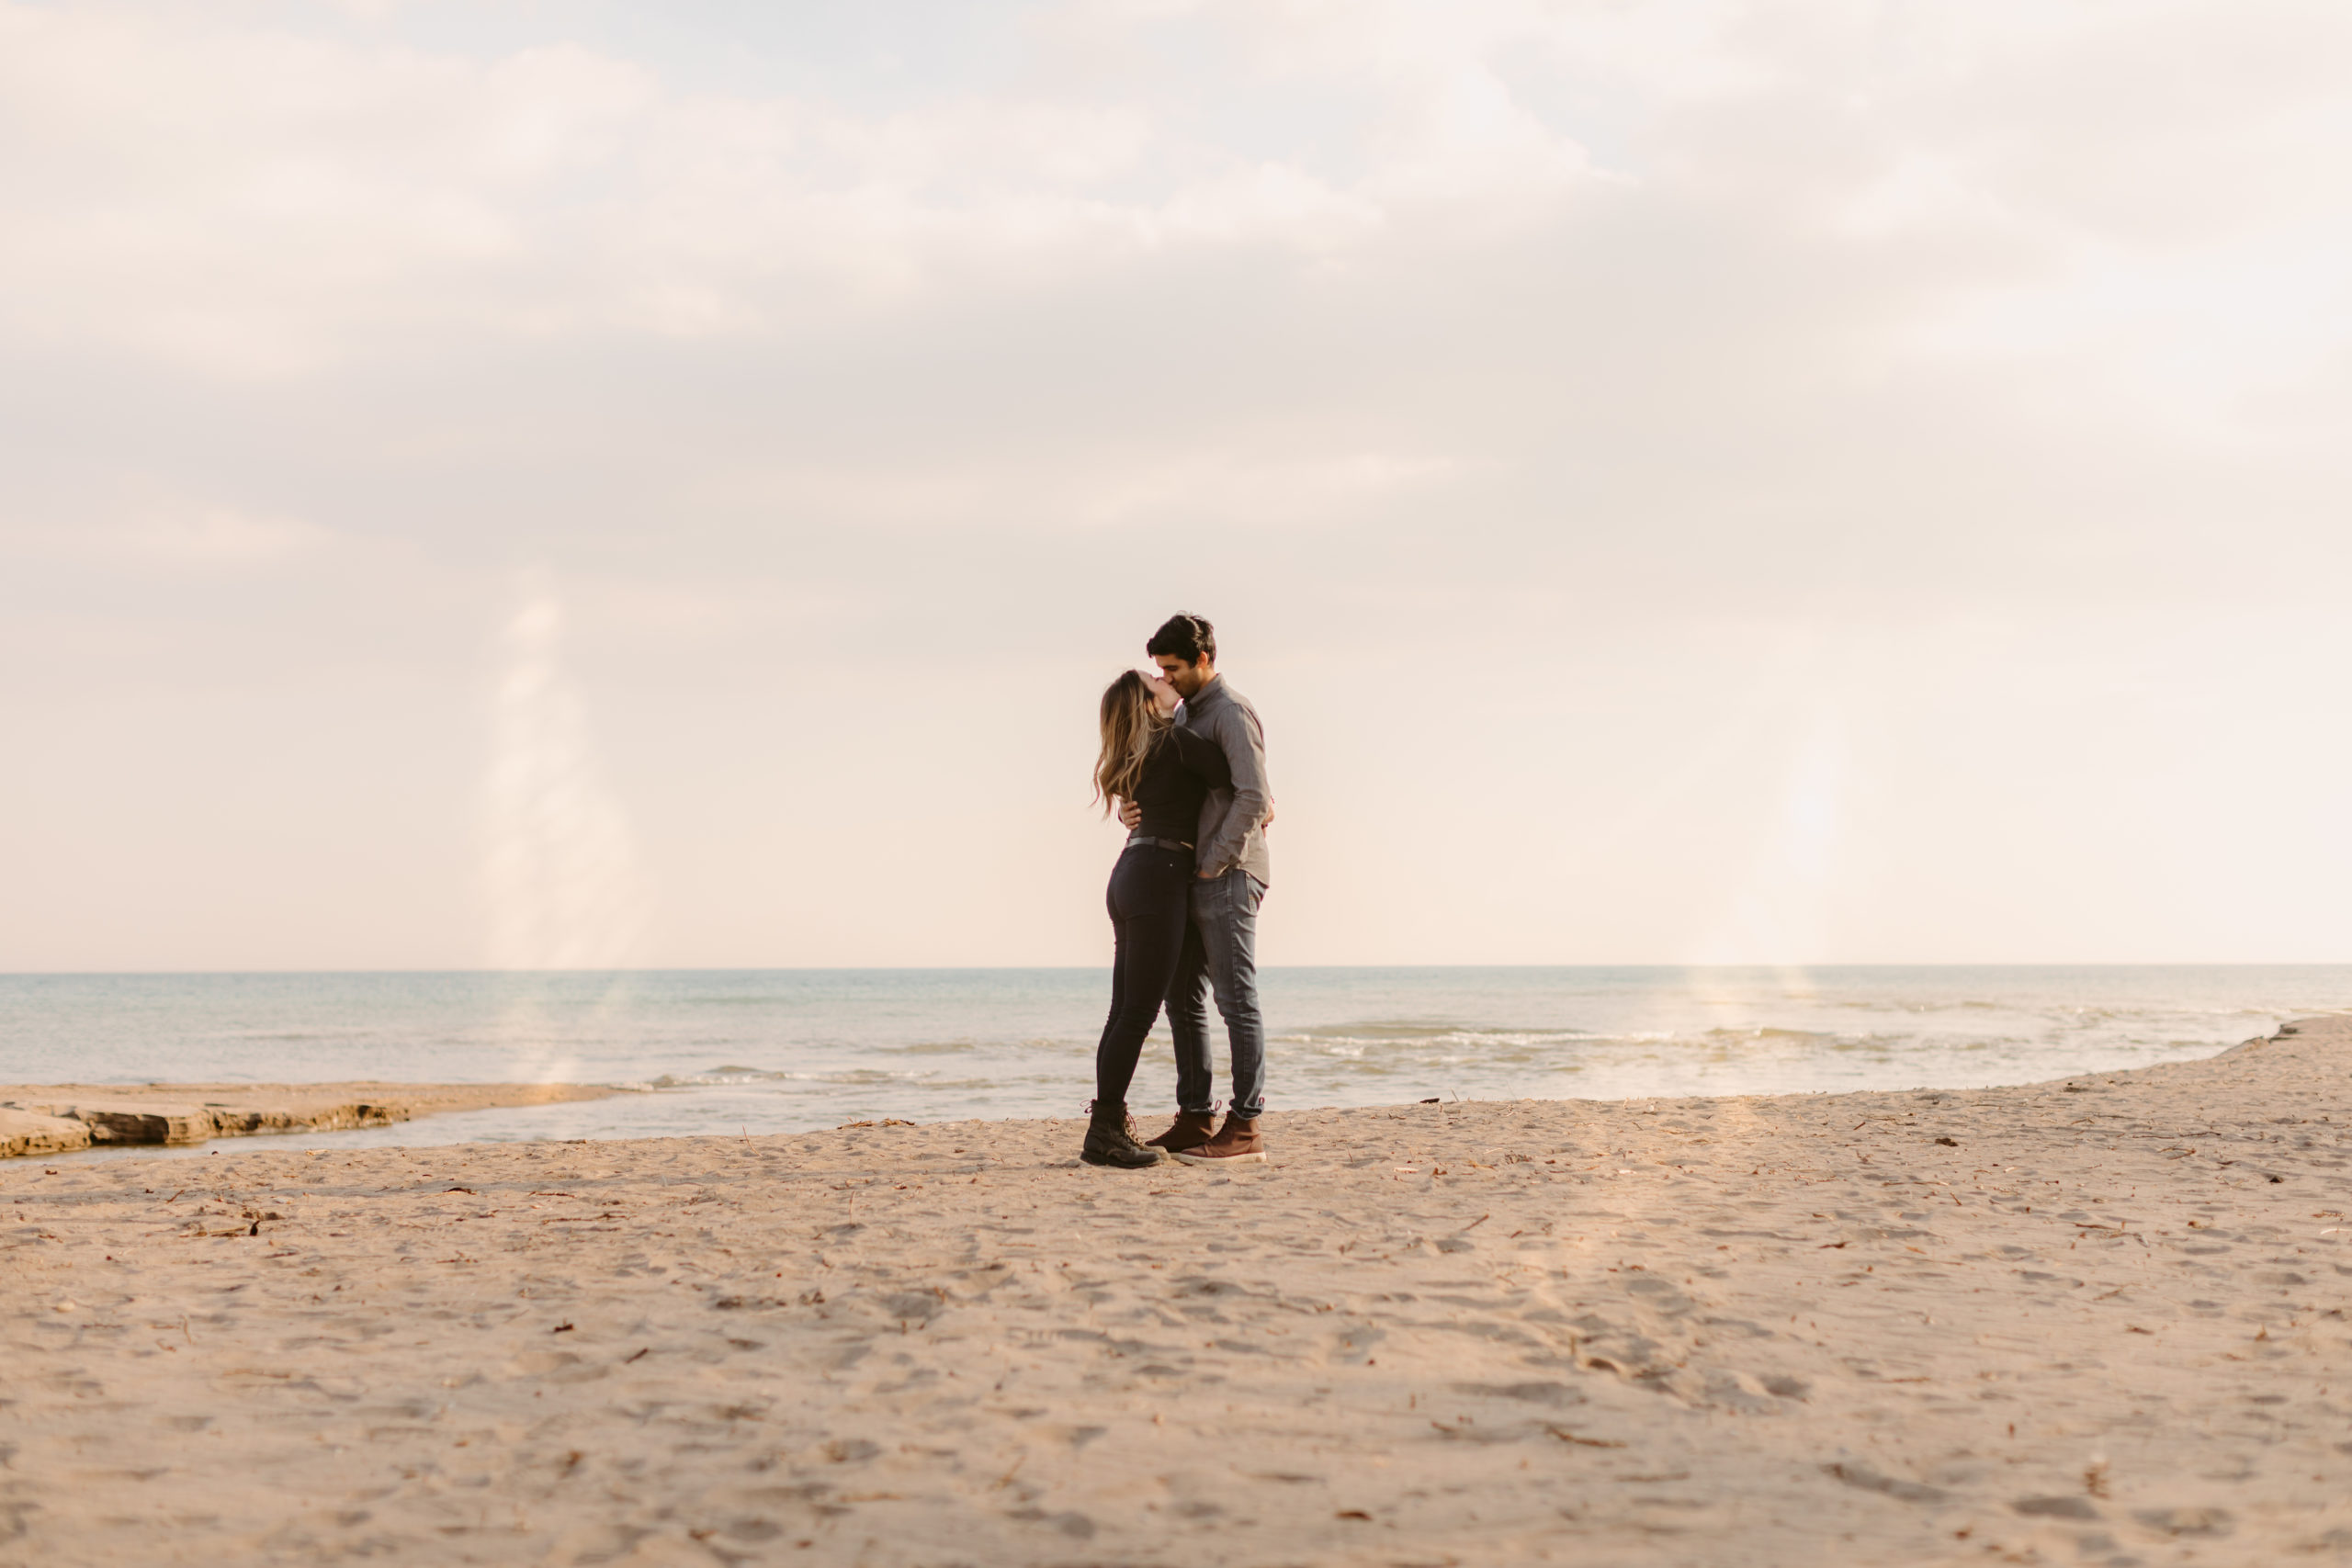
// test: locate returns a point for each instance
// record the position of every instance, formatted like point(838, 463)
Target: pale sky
point(513, 483)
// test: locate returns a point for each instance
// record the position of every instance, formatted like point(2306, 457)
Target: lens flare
point(559, 870)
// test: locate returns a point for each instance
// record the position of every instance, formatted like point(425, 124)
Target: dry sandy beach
point(2101, 1321)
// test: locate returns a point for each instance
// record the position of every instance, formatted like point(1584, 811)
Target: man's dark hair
point(1188, 638)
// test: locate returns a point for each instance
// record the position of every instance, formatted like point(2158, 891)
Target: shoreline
point(2083, 1321)
point(37, 1120)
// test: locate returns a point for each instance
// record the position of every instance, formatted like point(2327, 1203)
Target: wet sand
point(2101, 1321)
point(55, 1119)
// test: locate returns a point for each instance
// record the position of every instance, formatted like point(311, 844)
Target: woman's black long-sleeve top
point(1177, 777)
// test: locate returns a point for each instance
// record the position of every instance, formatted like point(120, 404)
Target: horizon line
point(1687, 968)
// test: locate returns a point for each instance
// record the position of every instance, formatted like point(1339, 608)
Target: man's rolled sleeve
point(1237, 732)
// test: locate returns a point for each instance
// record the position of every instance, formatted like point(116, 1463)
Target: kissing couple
point(1184, 762)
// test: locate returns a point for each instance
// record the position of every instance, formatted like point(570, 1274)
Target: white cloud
point(255, 201)
point(220, 535)
point(142, 529)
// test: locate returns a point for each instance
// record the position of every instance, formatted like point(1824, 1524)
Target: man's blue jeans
point(1221, 956)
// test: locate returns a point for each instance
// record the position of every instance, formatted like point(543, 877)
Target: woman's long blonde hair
point(1131, 724)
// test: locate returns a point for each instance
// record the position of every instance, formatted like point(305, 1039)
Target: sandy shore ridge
point(55, 1119)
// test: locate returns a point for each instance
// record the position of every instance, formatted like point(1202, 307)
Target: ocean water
point(767, 1050)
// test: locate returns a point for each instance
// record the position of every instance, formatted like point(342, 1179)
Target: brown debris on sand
point(55, 1119)
point(2100, 1326)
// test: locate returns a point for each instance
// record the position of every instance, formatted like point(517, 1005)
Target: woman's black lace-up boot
point(1111, 1138)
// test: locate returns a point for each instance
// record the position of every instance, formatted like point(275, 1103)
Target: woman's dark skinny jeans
point(1150, 899)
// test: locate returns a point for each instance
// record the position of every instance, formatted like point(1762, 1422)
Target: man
point(1231, 876)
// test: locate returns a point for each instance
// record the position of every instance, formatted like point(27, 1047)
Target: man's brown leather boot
point(1189, 1131)
point(1237, 1142)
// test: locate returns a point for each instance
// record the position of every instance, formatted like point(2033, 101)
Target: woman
point(1166, 772)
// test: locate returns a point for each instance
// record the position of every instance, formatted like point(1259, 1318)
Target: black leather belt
point(1161, 843)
